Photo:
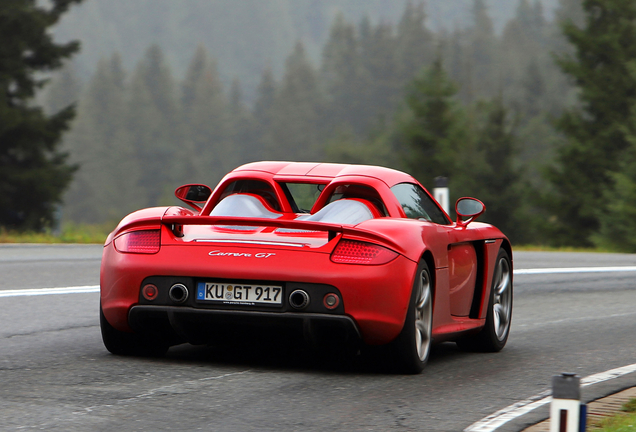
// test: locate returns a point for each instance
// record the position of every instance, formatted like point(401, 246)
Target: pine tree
point(483, 53)
point(497, 178)
point(601, 68)
point(152, 127)
point(618, 220)
point(341, 74)
point(33, 171)
point(297, 113)
point(242, 128)
point(106, 187)
point(618, 217)
point(266, 95)
point(207, 148)
point(434, 130)
point(570, 11)
point(262, 112)
point(415, 46)
point(64, 90)
point(381, 89)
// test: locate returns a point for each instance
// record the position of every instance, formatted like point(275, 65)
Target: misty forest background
point(170, 93)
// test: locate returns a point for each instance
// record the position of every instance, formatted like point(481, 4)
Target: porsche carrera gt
point(358, 254)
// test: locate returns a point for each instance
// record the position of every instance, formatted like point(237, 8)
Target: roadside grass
point(539, 248)
point(69, 233)
point(621, 422)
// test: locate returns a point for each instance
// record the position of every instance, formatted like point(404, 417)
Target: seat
point(244, 205)
point(346, 211)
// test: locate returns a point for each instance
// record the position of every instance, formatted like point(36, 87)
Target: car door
point(460, 254)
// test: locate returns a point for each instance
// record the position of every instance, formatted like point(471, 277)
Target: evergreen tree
point(152, 126)
point(523, 43)
point(106, 186)
point(33, 171)
point(377, 149)
point(617, 219)
point(64, 90)
point(482, 61)
point(570, 11)
point(194, 74)
point(497, 178)
point(297, 113)
point(341, 73)
point(242, 130)
point(454, 52)
point(208, 151)
point(266, 95)
point(415, 48)
point(561, 90)
point(434, 130)
point(381, 89)
point(601, 68)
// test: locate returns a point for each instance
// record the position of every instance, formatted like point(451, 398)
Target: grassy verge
point(70, 233)
point(621, 422)
point(539, 248)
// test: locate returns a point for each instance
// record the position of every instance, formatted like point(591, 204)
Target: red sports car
point(360, 254)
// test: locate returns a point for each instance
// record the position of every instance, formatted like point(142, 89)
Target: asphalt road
point(55, 374)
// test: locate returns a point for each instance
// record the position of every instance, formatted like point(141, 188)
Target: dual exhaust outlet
point(298, 299)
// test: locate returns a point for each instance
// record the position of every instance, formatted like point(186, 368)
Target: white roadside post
point(440, 193)
point(567, 414)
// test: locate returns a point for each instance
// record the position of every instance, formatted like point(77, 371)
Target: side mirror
point(192, 194)
point(468, 209)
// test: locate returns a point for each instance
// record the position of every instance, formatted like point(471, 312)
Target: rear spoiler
point(333, 229)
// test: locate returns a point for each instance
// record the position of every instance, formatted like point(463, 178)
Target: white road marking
point(49, 291)
point(95, 288)
point(575, 270)
point(499, 418)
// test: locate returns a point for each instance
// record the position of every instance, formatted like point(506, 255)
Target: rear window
point(302, 196)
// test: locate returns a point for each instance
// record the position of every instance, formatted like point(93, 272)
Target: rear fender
point(150, 217)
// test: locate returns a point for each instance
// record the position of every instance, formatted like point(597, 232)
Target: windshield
point(302, 196)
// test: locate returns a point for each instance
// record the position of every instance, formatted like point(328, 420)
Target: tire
point(494, 334)
point(129, 344)
point(413, 345)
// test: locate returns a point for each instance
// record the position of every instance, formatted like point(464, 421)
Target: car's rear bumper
point(209, 325)
point(375, 298)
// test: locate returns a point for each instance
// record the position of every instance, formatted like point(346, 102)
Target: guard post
point(567, 414)
point(440, 192)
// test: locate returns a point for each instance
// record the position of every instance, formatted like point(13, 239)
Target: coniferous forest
point(510, 116)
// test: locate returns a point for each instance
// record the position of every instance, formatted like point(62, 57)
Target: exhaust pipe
point(178, 293)
point(299, 299)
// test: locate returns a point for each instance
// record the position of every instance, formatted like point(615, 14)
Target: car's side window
point(417, 204)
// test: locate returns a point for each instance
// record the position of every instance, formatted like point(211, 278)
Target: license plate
point(242, 294)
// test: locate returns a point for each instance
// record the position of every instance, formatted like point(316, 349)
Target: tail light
point(144, 242)
point(357, 252)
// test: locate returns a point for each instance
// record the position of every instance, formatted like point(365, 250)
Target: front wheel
point(413, 345)
point(494, 335)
